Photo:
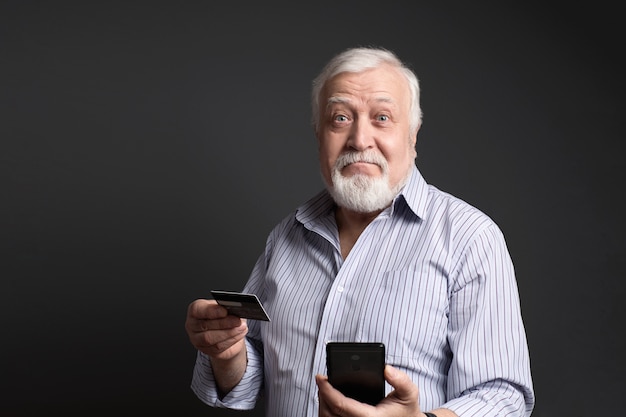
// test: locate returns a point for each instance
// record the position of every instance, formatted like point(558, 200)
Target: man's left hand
point(401, 402)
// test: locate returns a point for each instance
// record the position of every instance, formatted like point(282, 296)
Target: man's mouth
point(357, 163)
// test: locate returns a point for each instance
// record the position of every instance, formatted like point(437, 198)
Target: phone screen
point(357, 370)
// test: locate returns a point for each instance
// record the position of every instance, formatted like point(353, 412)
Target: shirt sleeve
point(490, 371)
point(243, 396)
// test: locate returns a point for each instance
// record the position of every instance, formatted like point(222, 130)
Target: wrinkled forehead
point(383, 84)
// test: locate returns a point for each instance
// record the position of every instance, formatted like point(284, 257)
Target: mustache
point(370, 157)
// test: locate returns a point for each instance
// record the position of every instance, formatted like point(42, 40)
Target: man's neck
point(350, 225)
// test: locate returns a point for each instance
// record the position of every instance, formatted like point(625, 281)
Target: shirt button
point(340, 289)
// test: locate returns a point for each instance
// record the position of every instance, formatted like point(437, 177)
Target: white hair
point(361, 59)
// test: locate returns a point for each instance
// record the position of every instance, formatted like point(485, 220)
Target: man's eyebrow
point(336, 99)
point(384, 99)
point(343, 100)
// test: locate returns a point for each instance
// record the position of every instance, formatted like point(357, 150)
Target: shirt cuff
point(242, 397)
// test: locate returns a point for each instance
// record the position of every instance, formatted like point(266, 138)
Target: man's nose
point(361, 135)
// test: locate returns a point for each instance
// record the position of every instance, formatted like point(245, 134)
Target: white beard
point(361, 193)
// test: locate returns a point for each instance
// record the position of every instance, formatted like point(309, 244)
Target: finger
point(226, 323)
point(206, 309)
point(404, 389)
point(220, 343)
point(204, 315)
point(322, 383)
point(219, 353)
point(334, 403)
point(217, 341)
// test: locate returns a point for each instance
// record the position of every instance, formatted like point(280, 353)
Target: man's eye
point(341, 118)
point(382, 118)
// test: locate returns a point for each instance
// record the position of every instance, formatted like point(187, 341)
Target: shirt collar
point(414, 194)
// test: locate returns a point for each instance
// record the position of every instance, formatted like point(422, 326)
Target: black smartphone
point(357, 370)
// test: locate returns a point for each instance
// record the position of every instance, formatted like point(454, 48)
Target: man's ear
point(414, 136)
point(413, 140)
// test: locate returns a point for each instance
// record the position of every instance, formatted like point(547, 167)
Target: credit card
point(241, 305)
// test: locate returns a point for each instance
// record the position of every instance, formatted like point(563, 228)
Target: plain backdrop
point(147, 149)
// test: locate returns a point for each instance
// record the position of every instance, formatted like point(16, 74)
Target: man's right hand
point(222, 337)
point(212, 331)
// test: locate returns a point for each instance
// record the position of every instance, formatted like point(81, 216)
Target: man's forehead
point(382, 85)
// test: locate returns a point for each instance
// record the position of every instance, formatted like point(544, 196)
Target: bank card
point(241, 305)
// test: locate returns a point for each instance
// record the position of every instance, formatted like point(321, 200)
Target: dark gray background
point(147, 148)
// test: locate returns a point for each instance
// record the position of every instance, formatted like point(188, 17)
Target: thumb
point(405, 389)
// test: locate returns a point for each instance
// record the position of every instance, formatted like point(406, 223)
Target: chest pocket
point(407, 311)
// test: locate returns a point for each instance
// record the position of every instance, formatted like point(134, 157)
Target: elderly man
point(379, 255)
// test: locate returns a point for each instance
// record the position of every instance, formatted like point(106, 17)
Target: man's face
point(366, 112)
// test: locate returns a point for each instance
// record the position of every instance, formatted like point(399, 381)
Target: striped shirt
point(430, 277)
